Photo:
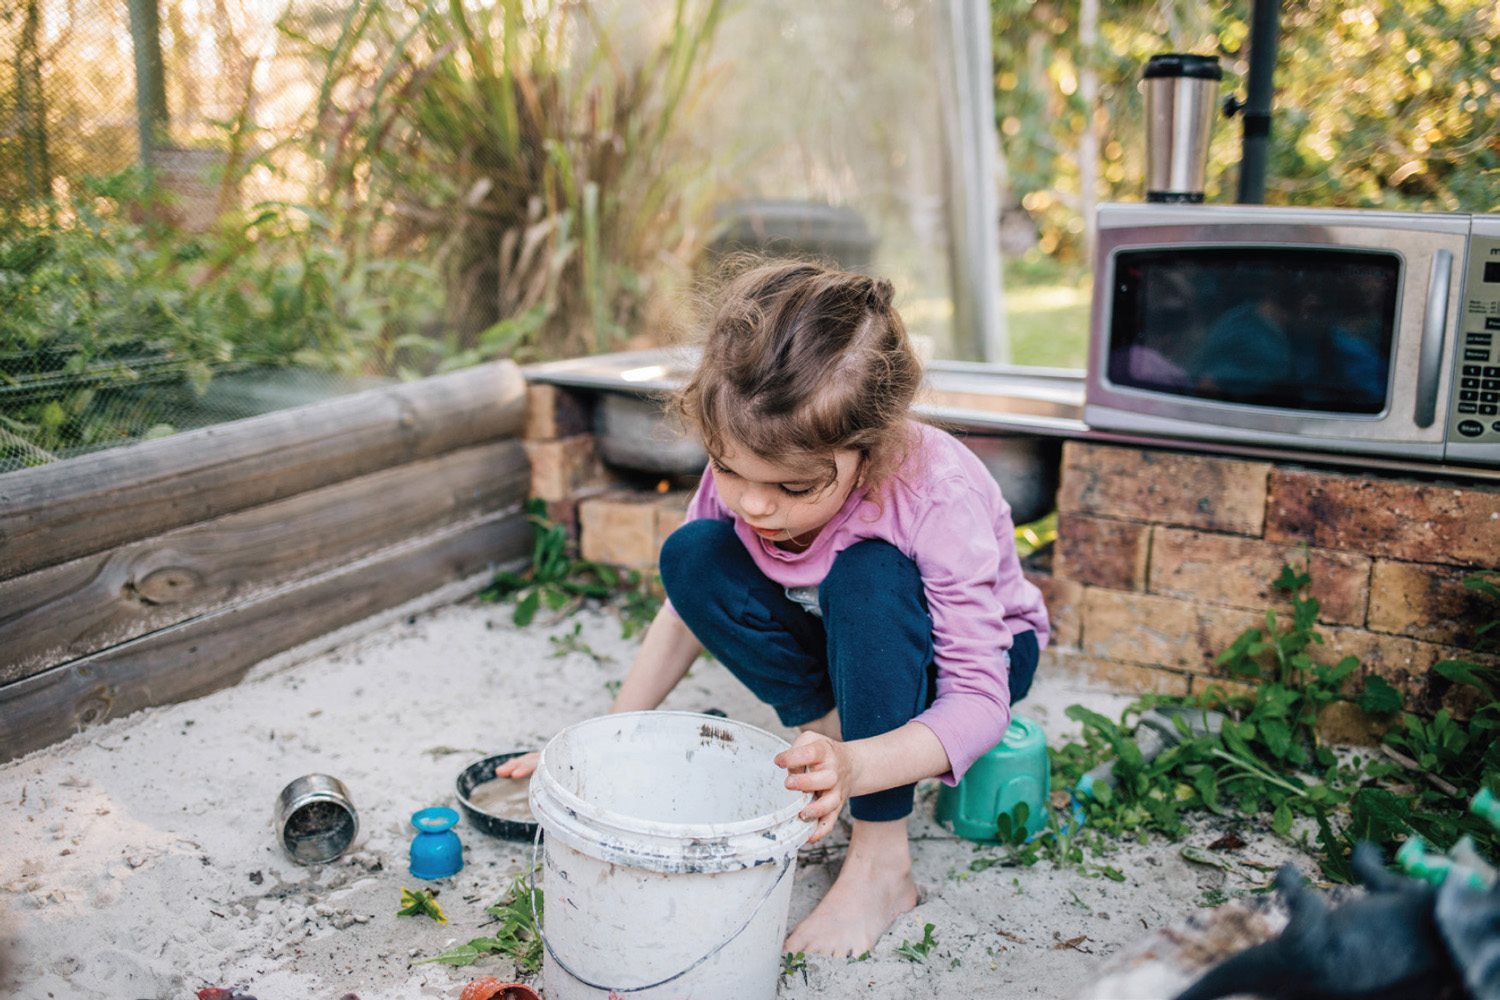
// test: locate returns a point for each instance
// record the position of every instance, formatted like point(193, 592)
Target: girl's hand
point(518, 767)
point(824, 767)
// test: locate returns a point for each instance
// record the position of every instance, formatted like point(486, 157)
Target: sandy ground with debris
point(138, 859)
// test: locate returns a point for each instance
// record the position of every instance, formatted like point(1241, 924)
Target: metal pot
point(315, 820)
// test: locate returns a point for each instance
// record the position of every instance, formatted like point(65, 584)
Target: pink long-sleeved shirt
point(944, 511)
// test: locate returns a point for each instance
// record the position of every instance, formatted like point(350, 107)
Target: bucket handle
point(536, 922)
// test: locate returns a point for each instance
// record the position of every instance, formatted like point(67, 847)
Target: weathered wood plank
point(58, 512)
point(62, 612)
point(215, 650)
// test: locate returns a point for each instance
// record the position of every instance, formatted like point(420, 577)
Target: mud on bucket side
point(669, 853)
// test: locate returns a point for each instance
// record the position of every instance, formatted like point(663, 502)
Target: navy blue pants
point(870, 655)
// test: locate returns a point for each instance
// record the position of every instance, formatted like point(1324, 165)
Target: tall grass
point(523, 149)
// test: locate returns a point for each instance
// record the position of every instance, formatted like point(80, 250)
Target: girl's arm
point(833, 770)
point(666, 654)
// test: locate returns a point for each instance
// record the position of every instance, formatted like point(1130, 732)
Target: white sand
point(138, 859)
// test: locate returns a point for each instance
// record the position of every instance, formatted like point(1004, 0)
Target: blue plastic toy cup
point(1016, 771)
point(436, 851)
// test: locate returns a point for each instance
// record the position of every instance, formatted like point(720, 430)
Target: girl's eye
point(722, 470)
point(804, 491)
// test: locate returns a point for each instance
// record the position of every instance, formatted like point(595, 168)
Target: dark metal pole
point(1264, 17)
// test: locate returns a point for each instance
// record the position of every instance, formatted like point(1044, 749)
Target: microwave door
point(1279, 327)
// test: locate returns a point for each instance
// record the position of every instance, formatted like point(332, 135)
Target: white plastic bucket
point(670, 847)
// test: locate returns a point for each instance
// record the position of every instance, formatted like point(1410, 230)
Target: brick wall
point(1163, 558)
point(612, 522)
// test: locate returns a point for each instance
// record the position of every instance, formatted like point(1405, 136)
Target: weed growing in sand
point(792, 963)
point(555, 579)
point(918, 951)
point(517, 936)
point(560, 582)
point(574, 642)
point(1267, 764)
point(421, 904)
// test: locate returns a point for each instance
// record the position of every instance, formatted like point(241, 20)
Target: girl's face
point(781, 502)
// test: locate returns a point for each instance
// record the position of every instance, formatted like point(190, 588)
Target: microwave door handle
point(1434, 329)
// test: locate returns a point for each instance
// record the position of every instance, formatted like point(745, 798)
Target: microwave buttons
point(1468, 407)
point(1470, 428)
point(1473, 370)
point(1492, 371)
point(1469, 383)
point(1469, 395)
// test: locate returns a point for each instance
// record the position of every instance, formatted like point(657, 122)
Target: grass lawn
point(1047, 313)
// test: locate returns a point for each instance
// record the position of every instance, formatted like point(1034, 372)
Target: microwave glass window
point(1492, 271)
point(1291, 328)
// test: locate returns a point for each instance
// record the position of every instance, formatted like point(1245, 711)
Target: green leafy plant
point(792, 963)
point(917, 951)
point(1450, 760)
point(560, 582)
point(1267, 761)
point(555, 579)
point(573, 642)
point(421, 903)
point(540, 161)
point(114, 324)
point(639, 603)
point(517, 937)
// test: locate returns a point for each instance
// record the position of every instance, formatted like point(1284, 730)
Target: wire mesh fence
point(338, 194)
point(113, 306)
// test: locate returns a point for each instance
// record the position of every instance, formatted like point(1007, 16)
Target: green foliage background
point(1378, 103)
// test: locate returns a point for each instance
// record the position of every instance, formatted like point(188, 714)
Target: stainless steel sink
point(1013, 418)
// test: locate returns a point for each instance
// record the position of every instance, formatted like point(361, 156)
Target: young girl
point(855, 569)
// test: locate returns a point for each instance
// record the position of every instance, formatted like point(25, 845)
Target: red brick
point(1063, 599)
point(619, 529)
point(1195, 491)
point(1398, 519)
point(563, 467)
point(1427, 602)
point(1102, 552)
point(1150, 630)
point(1404, 663)
point(553, 412)
point(1237, 572)
point(1344, 724)
point(1127, 678)
point(671, 508)
point(1217, 691)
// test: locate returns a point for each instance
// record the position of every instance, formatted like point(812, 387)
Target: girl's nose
point(757, 501)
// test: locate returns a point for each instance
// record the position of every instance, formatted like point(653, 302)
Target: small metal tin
point(315, 820)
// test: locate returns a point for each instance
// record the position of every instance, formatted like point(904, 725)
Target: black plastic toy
point(1405, 939)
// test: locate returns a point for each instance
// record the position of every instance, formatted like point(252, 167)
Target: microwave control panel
point(1474, 416)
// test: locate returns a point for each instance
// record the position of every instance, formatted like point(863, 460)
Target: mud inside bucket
point(669, 853)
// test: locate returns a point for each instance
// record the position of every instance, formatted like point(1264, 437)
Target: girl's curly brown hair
point(803, 360)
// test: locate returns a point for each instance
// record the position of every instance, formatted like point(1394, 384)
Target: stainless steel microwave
point(1339, 331)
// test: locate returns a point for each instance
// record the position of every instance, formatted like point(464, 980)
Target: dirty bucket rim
point(785, 817)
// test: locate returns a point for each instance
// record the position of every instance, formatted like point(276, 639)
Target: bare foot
point(873, 888)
